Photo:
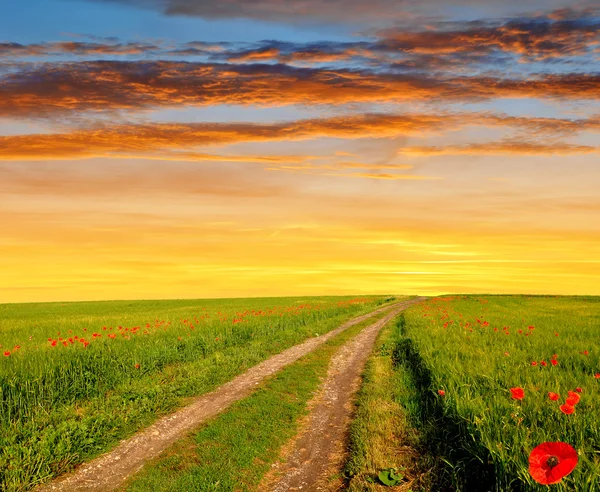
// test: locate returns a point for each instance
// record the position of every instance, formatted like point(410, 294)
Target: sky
point(193, 148)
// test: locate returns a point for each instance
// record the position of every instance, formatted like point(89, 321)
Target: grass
point(63, 401)
point(234, 450)
point(475, 349)
point(382, 435)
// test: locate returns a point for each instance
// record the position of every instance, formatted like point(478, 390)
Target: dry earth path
point(313, 460)
point(109, 471)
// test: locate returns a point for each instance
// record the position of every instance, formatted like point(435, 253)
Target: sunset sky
point(201, 148)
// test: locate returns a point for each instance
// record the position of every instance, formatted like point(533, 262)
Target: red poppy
point(550, 462)
point(543, 363)
point(553, 396)
point(441, 393)
point(567, 409)
point(554, 362)
point(517, 393)
point(7, 353)
point(579, 390)
point(597, 375)
point(573, 398)
point(534, 363)
point(555, 356)
point(137, 366)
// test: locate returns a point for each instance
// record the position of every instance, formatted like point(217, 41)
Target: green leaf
point(390, 477)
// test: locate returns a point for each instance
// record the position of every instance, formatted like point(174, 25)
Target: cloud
point(561, 34)
point(537, 38)
point(185, 141)
point(155, 138)
point(50, 89)
point(76, 48)
point(507, 147)
point(71, 179)
point(358, 12)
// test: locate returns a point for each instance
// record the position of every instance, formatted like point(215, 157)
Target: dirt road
point(109, 471)
point(313, 460)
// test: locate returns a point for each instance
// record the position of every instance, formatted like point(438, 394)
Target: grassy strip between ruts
point(381, 435)
point(234, 450)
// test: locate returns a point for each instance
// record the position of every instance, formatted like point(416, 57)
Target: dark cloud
point(42, 90)
point(558, 36)
point(536, 38)
point(76, 48)
point(337, 11)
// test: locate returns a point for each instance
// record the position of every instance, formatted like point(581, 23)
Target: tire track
point(109, 471)
point(317, 453)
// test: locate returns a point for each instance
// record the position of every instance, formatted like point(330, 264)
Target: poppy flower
point(534, 363)
point(567, 409)
point(554, 362)
point(517, 393)
point(597, 375)
point(543, 363)
point(6, 353)
point(441, 393)
point(550, 462)
point(137, 366)
point(553, 396)
point(579, 390)
point(573, 397)
point(554, 356)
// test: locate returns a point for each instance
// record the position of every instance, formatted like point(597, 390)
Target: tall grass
point(63, 401)
point(476, 349)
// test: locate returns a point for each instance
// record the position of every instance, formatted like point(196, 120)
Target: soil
point(313, 460)
point(109, 471)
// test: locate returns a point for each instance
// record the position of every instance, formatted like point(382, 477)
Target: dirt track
point(109, 471)
point(313, 460)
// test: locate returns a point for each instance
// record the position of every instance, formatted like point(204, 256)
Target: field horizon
point(71, 371)
point(224, 223)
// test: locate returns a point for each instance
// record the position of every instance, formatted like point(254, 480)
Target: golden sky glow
point(419, 156)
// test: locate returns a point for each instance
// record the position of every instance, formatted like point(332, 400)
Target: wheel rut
point(313, 460)
point(109, 471)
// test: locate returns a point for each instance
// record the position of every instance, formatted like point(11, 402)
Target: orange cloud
point(76, 48)
point(535, 38)
point(503, 148)
point(172, 141)
point(62, 88)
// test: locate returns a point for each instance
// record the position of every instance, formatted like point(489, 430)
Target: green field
point(436, 399)
point(475, 349)
point(234, 450)
point(75, 378)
